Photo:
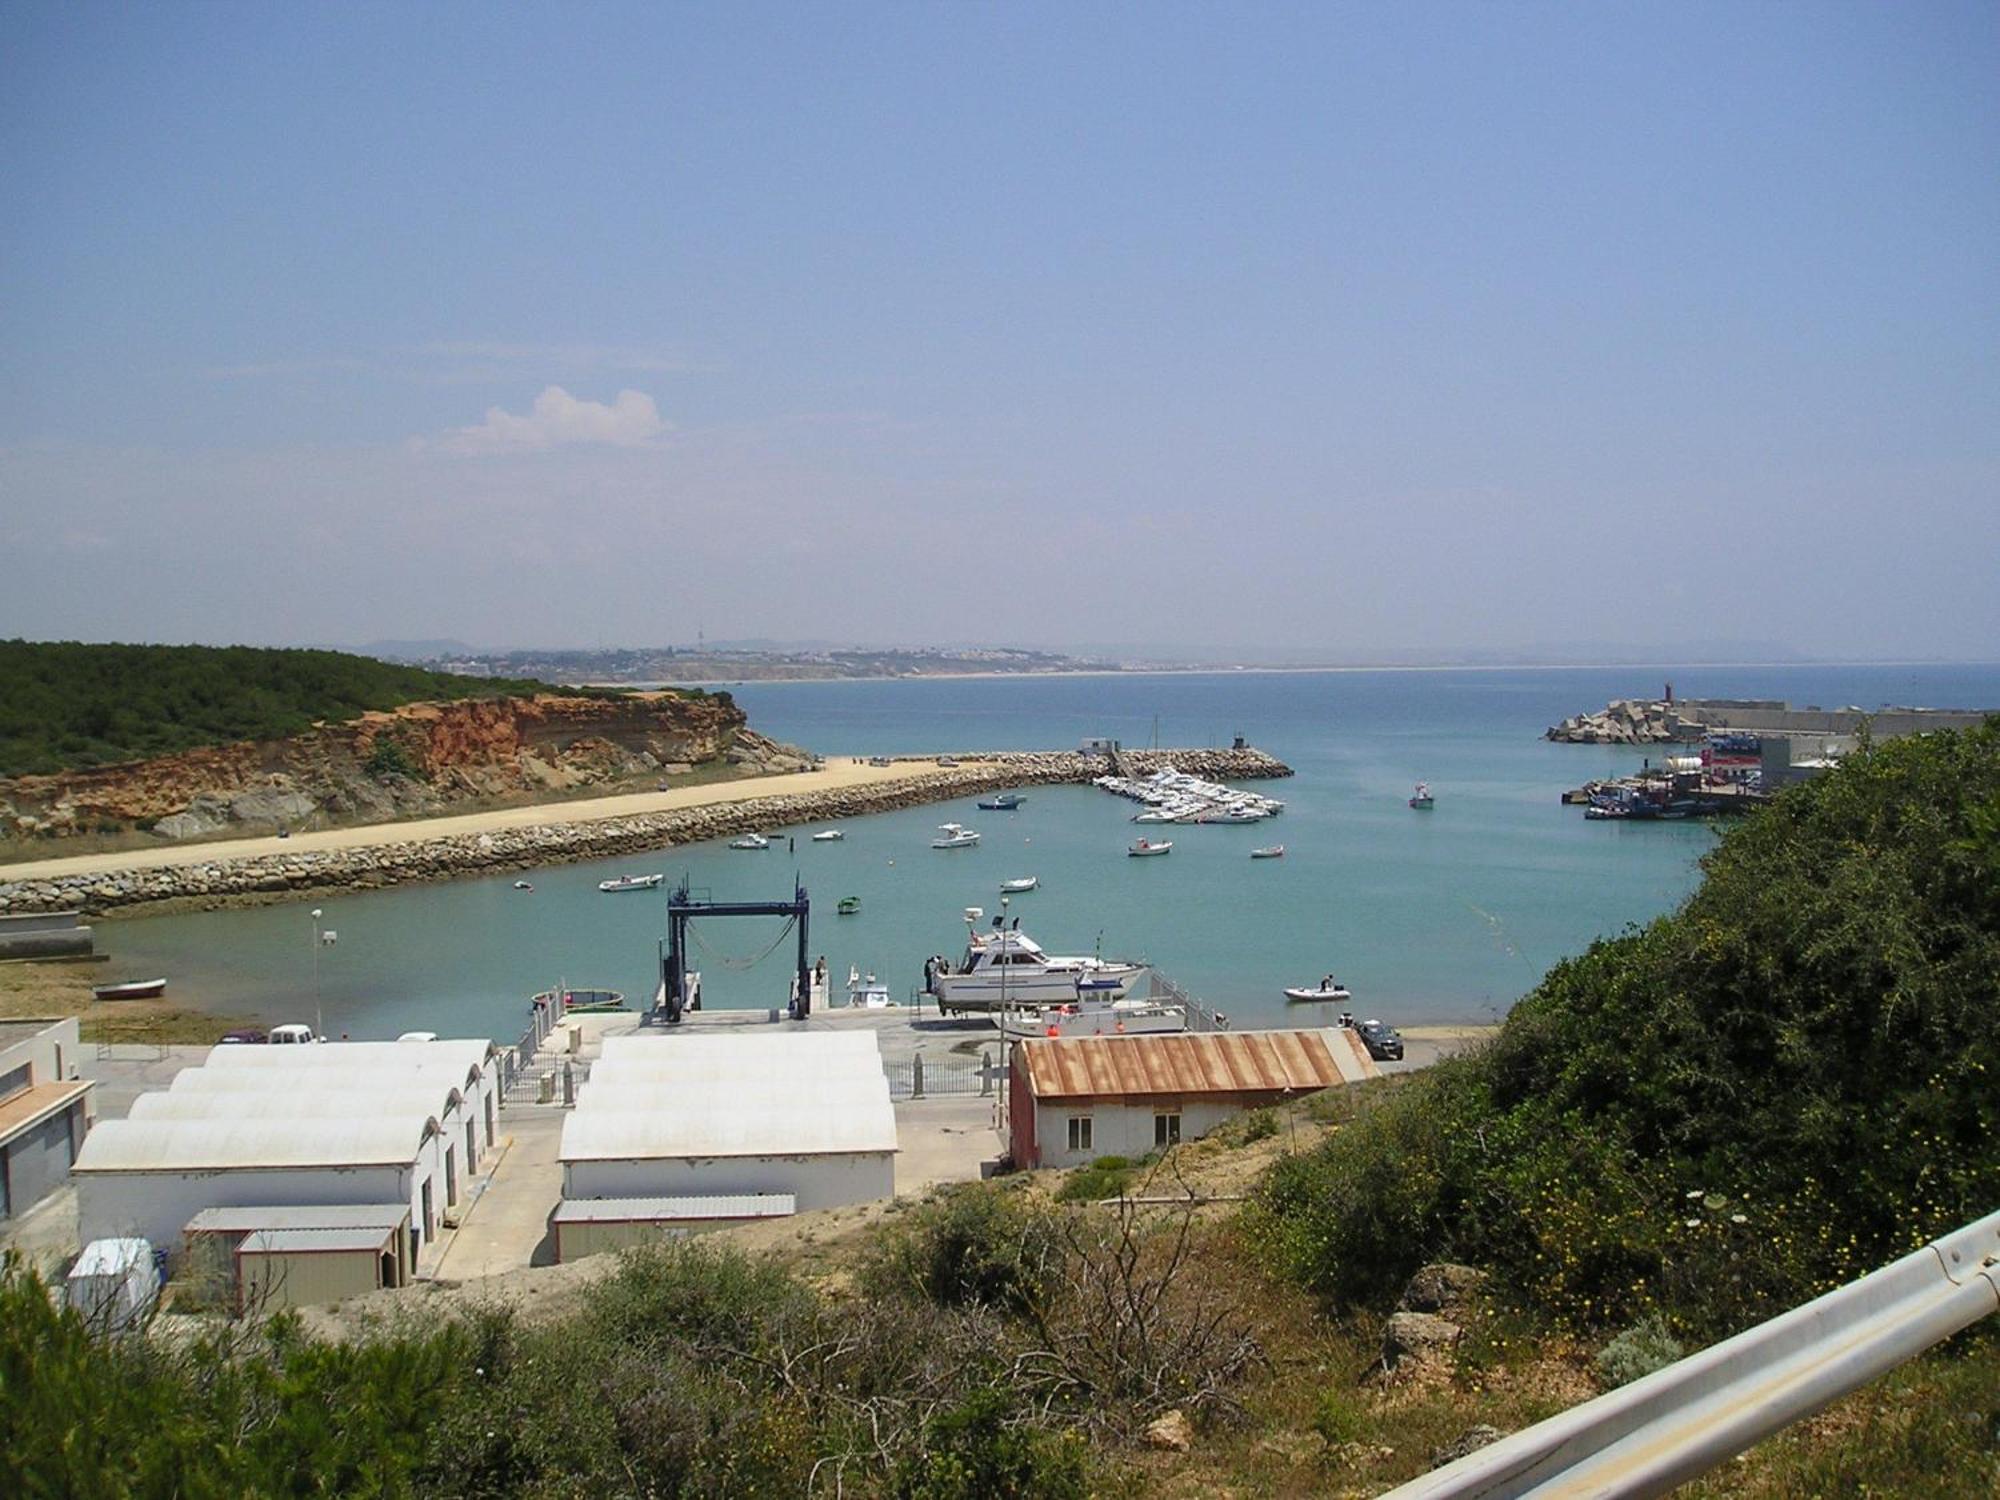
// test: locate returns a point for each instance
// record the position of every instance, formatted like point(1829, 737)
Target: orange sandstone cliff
point(420, 758)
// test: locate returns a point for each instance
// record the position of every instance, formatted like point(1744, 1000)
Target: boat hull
point(138, 989)
point(1310, 997)
point(985, 991)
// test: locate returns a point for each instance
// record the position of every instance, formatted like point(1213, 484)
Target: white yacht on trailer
point(1005, 969)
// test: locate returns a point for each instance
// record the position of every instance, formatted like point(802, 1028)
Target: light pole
point(322, 938)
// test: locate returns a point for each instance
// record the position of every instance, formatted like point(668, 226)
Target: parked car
point(1383, 1041)
point(282, 1035)
point(245, 1035)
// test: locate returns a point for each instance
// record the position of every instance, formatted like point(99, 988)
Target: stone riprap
point(395, 862)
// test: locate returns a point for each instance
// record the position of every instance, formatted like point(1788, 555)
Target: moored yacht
point(954, 836)
point(1006, 969)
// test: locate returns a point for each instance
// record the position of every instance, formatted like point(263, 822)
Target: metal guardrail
point(1663, 1430)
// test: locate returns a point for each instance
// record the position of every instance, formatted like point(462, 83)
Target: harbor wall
point(273, 877)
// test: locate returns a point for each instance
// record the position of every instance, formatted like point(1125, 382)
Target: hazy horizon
point(1343, 333)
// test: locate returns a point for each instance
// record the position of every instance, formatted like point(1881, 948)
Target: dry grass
point(31, 990)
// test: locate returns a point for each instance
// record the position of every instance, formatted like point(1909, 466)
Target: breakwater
point(394, 861)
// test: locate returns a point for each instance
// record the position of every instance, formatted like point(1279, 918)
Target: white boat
point(1275, 851)
point(1005, 970)
point(867, 993)
point(131, 989)
point(631, 883)
point(522, 885)
point(1421, 799)
point(954, 836)
point(1146, 849)
point(750, 841)
point(828, 836)
point(1025, 883)
point(1094, 1018)
point(1325, 991)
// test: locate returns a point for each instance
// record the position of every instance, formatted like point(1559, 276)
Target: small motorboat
point(828, 836)
point(1025, 883)
point(847, 906)
point(1275, 851)
point(630, 883)
point(867, 993)
point(1327, 989)
point(1146, 848)
point(750, 841)
point(954, 836)
point(1004, 802)
point(1421, 799)
point(522, 885)
point(131, 989)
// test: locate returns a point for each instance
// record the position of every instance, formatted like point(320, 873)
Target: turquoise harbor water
point(1447, 915)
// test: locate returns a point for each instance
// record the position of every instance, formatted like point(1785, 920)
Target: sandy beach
point(841, 775)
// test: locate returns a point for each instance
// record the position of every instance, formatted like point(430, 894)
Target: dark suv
point(1384, 1042)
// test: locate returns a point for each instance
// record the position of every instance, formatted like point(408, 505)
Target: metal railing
point(1661, 1431)
point(921, 1077)
point(1199, 1016)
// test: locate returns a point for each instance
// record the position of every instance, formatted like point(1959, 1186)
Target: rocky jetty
point(408, 762)
point(219, 881)
point(1628, 721)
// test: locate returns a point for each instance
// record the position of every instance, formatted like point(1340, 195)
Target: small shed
point(591, 1226)
point(215, 1235)
point(1073, 1099)
point(278, 1268)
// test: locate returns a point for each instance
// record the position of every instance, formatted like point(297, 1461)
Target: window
point(1167, 1129)
point(1079, 1133)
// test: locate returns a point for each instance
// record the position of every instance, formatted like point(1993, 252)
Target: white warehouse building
point(281, 1127)
point(802, 1114)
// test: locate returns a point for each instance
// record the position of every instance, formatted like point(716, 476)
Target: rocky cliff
point(421, 758)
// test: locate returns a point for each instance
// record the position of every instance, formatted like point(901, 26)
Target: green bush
point(972, 1453)
point(974, 1244)
point(1259, 1125)
point(1106, 1177)
point(1640, 1350)
point(1768, 1092)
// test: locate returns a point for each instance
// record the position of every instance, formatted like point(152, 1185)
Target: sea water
point(1447, 915)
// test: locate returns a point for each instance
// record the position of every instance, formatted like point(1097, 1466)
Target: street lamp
point(322, 938)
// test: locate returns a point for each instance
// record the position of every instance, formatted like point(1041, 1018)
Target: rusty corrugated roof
point(1182, 1064)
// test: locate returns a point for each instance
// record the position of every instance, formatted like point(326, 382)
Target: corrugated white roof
point(648, 1210)
point(264, 1080)
point(467, 1054)
point(773, 1128)
point(775, 1071)
point(679, 1095)
point(216, 1145)
point(288, 1103)
point(291, 1216)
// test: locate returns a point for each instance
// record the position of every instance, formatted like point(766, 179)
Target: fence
point(922, 1077)
point(1199, 1016)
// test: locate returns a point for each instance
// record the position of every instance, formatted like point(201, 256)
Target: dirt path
point(839, 776)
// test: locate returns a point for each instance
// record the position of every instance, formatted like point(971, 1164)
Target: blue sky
point(1354, 329)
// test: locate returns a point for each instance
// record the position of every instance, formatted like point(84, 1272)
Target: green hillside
point(65, 704)
point(1784, 1084)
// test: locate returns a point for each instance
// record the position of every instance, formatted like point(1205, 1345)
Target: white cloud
point(559, 419)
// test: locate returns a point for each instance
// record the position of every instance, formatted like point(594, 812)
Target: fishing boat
point(1005, 969)
point(1275, 851)
point(847, 906)
point(954, 836)
point(1421, 799)
point(630, 883)
point(1326, 989)
point(828, 836)
point(750, 841)
point(1004, 802)
point(1025, 883)
point(867, 992)
point(1146, 848)
point(131, 989)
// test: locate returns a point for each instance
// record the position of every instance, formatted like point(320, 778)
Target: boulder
point(280, 805)
point(1443, 1287)
point(1469, 1441)
point(1419, 1337)
point(1173, 1432)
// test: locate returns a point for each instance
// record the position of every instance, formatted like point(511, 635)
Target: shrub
point(975, 1244)
point(972, 1453)
point(1106, 1177)
point(1640, 1350)
point(1259, 1125)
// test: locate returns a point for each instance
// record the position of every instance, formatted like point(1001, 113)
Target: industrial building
point(1072, 1099)
point(44, 1110)
point(299, 1128)
point(683, 1133)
